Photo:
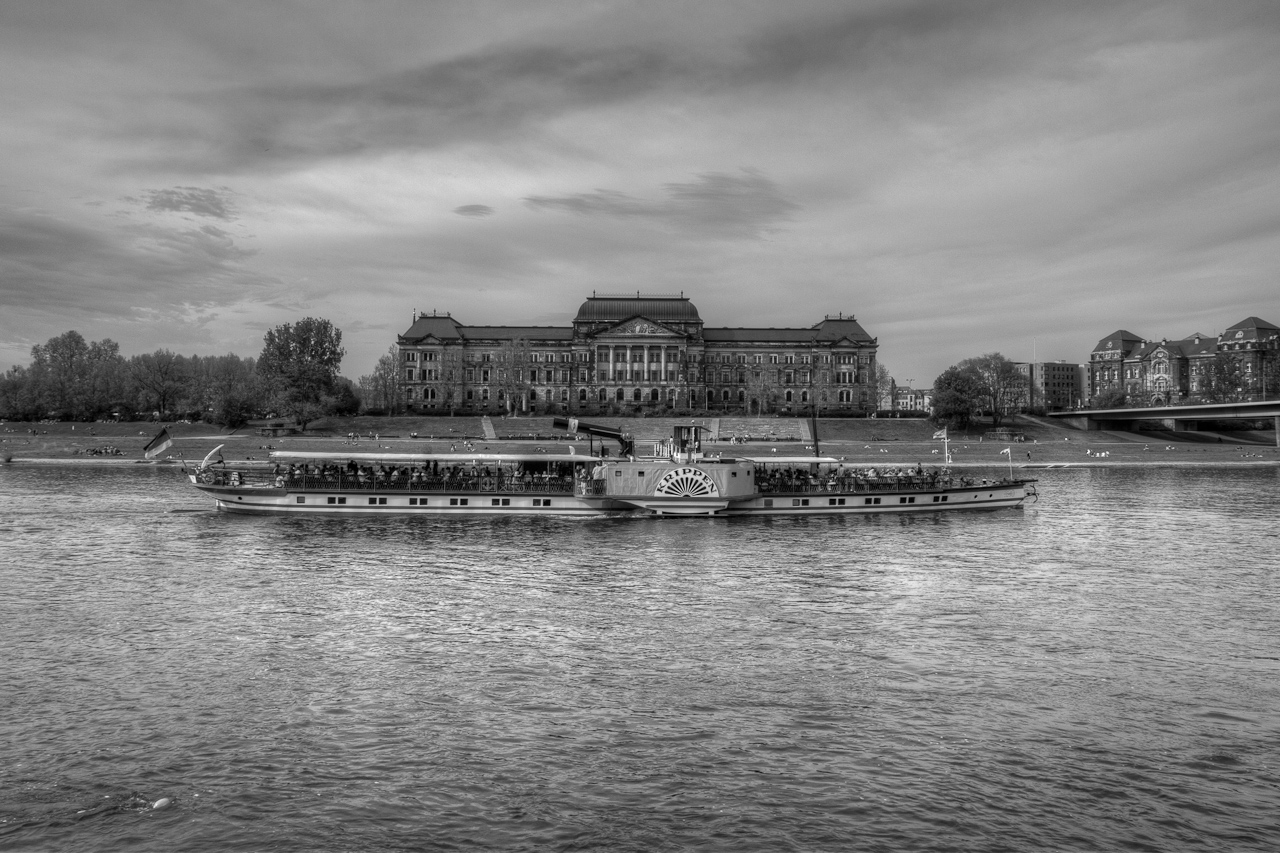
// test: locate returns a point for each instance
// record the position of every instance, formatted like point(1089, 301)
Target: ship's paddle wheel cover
point(686, 483)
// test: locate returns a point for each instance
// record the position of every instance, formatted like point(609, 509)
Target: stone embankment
point(858, 441)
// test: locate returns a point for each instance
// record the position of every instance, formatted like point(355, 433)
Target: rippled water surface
point(1097, 671)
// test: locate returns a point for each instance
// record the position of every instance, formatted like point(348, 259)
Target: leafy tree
point(1004, 387)
point(18, 398)
point(226, 389)
point(301, 362)
point(58, 367)
point(1224, 380)
point(346, 401)
point(1114, 398)
point(958, 395)
point(160, 378)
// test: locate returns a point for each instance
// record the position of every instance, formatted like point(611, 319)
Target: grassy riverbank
point(858, 441)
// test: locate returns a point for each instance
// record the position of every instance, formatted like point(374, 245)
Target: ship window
point(495, 502)
point(302, 500)
point(333, 500)
point(506, 501)
point(617, 473)
point(639, 473)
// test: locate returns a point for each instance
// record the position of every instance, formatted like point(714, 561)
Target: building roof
point(1250, 329)
point(607, 309)
point(1118, 340)
point(781, 336)
point(441, 326)
point(511, 333)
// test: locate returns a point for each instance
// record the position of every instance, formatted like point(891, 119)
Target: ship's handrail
point(344, 482)
point(861, 485)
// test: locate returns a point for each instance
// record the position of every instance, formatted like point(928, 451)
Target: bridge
point(1172, 417)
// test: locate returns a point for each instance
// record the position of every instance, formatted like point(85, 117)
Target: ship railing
point(850, 487)
point(351, 482)
point(872, 486)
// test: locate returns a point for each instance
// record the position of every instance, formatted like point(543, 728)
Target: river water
point(1097, 671)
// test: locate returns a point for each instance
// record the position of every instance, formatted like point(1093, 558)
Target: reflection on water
point(1095, 671)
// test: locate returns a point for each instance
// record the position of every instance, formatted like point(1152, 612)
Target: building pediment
point(638, 327)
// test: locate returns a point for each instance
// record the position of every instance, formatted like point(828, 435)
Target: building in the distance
point(1053, 385)
point(912, 399)
point(628, 353)
point(1239, 364)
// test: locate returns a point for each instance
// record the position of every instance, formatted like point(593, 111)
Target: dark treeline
point(70, 378)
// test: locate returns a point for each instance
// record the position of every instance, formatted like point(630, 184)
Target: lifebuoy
point(486, 484)
point(519, 487)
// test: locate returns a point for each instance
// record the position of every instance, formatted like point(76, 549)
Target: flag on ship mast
point(159, 444)
point(1004, 452)
point(942, 433)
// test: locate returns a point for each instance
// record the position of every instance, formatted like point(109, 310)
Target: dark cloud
point(484, 96)
point(49, 264)
point(202, 202)
point(716, 204)
point(474, 210)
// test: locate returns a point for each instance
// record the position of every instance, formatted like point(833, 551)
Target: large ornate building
point(1239, 364)
point(624, 353)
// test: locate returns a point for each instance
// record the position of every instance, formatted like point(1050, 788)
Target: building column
point(662, 367)
point(646, 363)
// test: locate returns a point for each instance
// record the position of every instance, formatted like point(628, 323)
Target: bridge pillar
point(1277, 426)
point(1178, 425)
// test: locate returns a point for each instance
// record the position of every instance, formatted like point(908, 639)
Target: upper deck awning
point(408, 458)
point(792, 460)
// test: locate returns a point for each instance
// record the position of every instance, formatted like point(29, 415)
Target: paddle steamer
point(674, 478)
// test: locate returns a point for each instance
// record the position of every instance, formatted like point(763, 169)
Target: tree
point(957, 397)
point(58, 367)
point(225, 389)
point(301, 362)
point(160, 377)
point(384, 388)
point(1224, 380)
point(513, 373)
point(1004, 387)
point(1113, 398)
point(884, 387)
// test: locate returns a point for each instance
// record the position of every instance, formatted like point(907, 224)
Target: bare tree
point(514, 362)
point(384, 388)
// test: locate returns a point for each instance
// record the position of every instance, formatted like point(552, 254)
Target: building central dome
point(613, 309)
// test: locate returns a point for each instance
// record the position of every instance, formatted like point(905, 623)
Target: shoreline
point(1024, 466)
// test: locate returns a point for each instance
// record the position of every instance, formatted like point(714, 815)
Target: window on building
point(410, 356)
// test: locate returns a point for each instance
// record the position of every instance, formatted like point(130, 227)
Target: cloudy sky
point(962, 176)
